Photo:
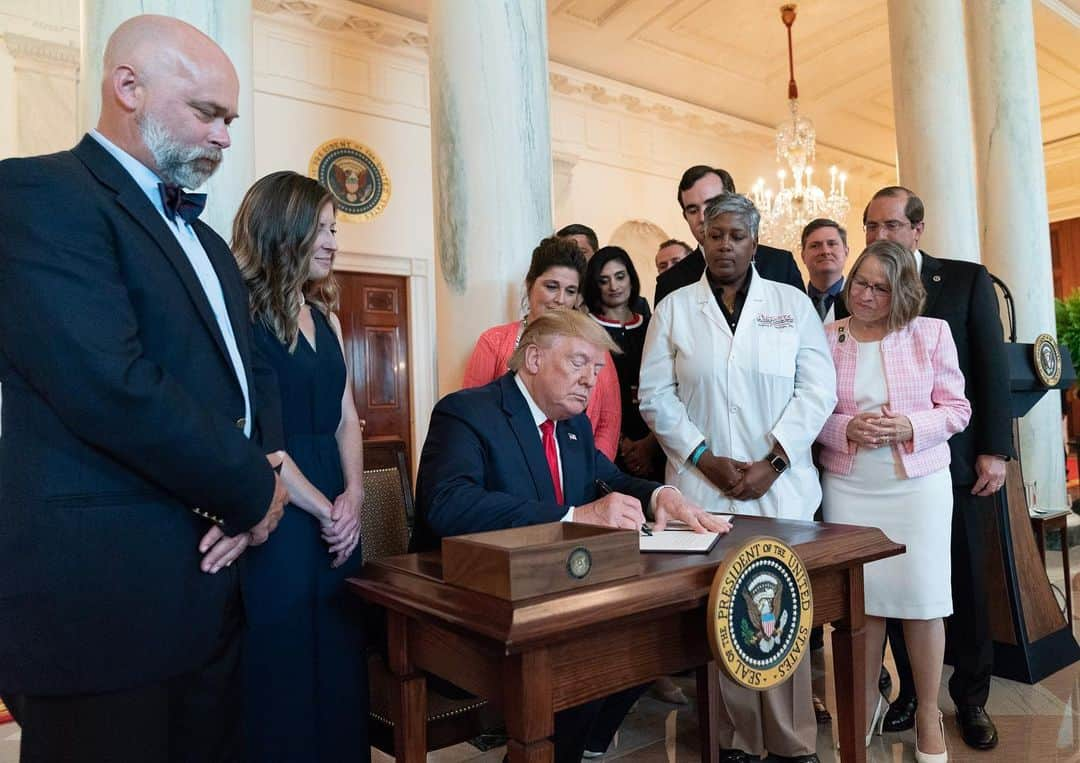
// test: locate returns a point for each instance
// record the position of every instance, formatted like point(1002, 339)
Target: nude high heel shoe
point(931, 757)
point(878, 720)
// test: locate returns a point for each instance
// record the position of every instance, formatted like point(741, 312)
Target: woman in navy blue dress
point(305, 679)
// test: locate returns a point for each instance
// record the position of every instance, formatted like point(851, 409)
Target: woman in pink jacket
point(553, 282)
point(886, 461)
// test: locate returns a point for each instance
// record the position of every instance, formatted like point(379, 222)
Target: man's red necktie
point(548, 430)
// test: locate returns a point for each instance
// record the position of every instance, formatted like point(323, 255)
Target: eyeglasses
point(879, 292)
point(892, 226)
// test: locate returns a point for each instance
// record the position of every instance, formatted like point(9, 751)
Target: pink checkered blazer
point(924, 382)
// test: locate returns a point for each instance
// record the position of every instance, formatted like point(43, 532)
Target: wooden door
point(375, 326)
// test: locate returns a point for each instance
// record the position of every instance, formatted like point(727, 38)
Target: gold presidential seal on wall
point(760, 612)
point(354, 176)
point(1047, 359)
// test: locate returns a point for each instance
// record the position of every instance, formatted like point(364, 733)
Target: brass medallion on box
point(1047, 359)
point(760, 612)
point(354, 176)
point(579, 563)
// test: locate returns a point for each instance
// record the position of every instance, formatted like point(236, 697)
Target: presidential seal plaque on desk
point(540, 559)
point(759, 613)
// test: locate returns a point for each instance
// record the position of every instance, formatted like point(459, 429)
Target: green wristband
point(699, 451)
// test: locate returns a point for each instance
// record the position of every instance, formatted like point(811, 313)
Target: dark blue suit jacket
point(120, 416)
point(483, 466)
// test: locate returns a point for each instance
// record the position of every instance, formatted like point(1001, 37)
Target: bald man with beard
point(136, 422)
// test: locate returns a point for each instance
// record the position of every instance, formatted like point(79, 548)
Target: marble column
point(229, 23)
point(491, 154)
point(934, 148)
point(1015, 231)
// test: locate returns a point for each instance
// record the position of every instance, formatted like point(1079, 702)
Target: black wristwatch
point(777, 462)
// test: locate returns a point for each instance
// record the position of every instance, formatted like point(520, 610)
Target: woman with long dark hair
point(612, 287)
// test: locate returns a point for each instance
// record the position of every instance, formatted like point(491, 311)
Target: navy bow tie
point(177, 201)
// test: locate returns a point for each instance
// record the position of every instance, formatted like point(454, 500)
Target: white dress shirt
point(145, 178)
point(540, 417)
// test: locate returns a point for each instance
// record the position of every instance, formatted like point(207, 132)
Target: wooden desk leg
point(529, 707)
point(849, 671)
point(1040, 532)
point(1068, 572)
point(708, 697)
point(409, 702)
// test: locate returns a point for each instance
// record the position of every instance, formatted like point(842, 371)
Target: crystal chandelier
point(785, 213)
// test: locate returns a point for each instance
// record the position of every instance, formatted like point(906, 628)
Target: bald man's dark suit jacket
point(483, 466)
point(120, 416)
point(774, 264)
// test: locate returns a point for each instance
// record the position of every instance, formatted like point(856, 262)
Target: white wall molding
point(1062, 150)
point(47, 57)
point(1062, 160)
point(291, 62)
point(674, 116)
point(54, 21)
point(350, 19)
point(344, 69)
point(1064, 11)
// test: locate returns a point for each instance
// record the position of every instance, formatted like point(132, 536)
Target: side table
point(1056, 521)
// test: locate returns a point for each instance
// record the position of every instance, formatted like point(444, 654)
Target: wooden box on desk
point(541, 559)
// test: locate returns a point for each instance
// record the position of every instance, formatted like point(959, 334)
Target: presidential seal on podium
point(760, 612)
point(1047, 360)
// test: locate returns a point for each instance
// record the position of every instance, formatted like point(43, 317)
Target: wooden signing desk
point(541, 655)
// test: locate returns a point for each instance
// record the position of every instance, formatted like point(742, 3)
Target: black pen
point(605, 489)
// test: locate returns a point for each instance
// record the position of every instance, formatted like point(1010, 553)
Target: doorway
point(374, 316)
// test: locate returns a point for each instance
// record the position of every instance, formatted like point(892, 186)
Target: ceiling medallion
point(785, 213)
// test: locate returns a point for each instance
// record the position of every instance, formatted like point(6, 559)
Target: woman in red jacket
point(553, 282)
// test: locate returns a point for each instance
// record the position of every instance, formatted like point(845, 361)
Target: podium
point(1031, 636)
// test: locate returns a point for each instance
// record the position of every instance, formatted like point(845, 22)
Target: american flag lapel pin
point(571, 435)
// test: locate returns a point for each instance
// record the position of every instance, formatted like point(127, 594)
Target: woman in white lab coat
point(736, 381)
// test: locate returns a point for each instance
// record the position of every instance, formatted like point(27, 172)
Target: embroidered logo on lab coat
point(782, 321)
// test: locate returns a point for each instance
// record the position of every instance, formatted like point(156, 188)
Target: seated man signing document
point(519, 451)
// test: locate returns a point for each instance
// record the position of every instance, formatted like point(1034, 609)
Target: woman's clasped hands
point(873, 430)
point(341, 530)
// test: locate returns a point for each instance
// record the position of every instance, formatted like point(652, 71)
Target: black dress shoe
point(976, 727)
point(884, 682)
point(735, 756)
point(901, 715)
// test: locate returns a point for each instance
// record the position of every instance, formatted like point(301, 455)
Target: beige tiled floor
point(1036, 723)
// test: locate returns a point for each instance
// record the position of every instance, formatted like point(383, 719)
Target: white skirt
point(916, 585)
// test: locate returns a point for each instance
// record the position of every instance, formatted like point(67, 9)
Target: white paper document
point(678, 540)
